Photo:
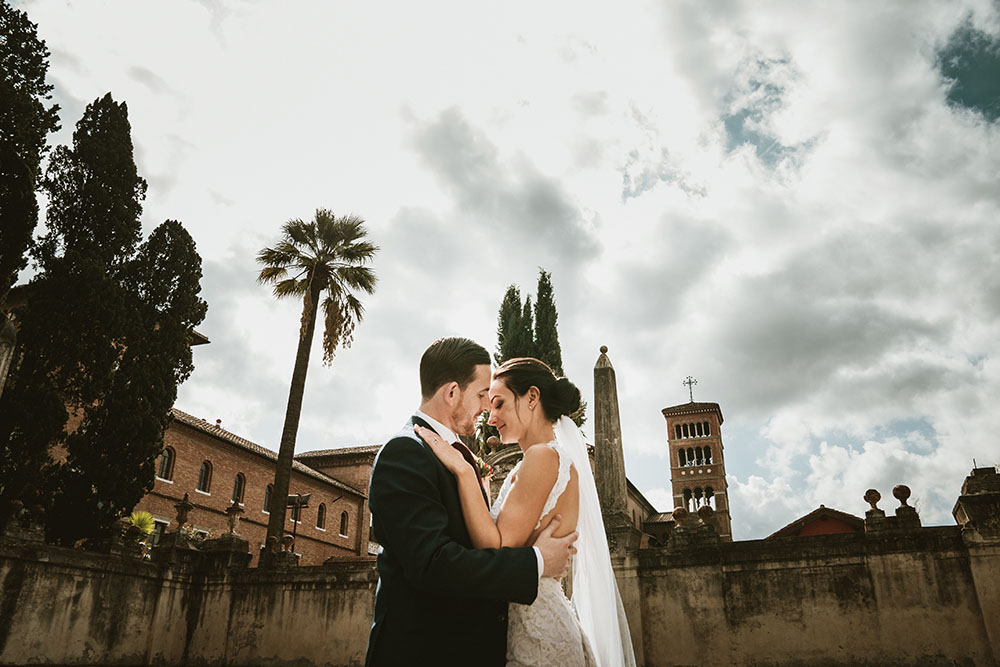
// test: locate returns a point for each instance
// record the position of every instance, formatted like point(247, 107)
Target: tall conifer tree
point(26, 119)
point(546, 319)
point(105, 332)
point(508, 322)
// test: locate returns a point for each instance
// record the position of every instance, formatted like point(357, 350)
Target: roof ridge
point(228, 436)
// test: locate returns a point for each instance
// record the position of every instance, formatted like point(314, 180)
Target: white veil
point(595, 591)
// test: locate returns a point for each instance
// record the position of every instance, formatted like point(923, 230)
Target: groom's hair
point(450, 360)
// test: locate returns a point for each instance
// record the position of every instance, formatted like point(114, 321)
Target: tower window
point(677, 431)
point(699, 426)
point(690, 456)
point(708, 429)
point(681, 457)
point(205, 477)
point(698, 455)
point(708, 455)
point(686, 431)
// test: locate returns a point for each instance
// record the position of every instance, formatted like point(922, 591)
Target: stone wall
point(898, 594)
point(66, 607)
point(847, 599)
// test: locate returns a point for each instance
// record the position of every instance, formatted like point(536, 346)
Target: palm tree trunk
point(286, 450)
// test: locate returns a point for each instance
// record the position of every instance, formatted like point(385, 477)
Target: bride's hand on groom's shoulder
point(448, 455)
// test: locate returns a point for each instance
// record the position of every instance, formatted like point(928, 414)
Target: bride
point(530, 407)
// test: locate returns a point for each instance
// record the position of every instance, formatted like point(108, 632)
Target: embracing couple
point(461, 583)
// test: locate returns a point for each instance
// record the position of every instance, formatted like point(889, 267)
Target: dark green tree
point(324, 258)
point(524, 334)
point(105, 331)
point(546, 319)
point(508, 325)
point(25, 121)
point(112, 453)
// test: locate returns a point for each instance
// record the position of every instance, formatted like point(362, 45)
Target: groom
point(439, 601)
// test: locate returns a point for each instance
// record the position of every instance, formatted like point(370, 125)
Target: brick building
point(214, 467)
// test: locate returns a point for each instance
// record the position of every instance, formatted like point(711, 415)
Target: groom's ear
point(450, 392)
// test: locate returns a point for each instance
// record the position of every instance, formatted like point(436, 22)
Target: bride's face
point(508, 413)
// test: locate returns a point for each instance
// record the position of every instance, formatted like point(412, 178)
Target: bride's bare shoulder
point(540, 460)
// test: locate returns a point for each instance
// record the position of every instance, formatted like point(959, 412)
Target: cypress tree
point(25, 122)
point(508, 322)
point(524, 333)
point(105, 333)
point(546, 318)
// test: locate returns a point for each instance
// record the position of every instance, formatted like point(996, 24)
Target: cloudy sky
point(796, 203)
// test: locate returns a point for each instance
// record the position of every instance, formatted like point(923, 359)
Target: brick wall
point(192, 446)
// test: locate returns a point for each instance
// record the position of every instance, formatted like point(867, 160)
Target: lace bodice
point(562, 480)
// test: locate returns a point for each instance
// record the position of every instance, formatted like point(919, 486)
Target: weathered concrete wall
point(60, 606)
point(831, 600)
point(925, 597)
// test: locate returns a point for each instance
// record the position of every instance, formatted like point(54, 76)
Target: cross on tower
point(690, 382)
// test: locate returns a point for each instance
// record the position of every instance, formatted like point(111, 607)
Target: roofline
point(222, 434)
point(341, 452)
point(631, 487)
point(692, 409)
point(835, 513)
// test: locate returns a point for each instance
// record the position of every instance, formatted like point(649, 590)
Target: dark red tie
point(467, 455)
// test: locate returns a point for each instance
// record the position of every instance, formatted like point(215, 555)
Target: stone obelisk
point(609, 460)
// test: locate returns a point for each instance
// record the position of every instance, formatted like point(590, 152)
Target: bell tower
point(697, 464)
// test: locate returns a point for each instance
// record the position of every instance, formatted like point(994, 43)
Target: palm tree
point(326, 255)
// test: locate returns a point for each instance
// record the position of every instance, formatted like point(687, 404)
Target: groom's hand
point(555, 550)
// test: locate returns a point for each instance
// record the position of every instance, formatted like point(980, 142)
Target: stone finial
point(272, 545)
point(901, 492)
point(872, 497)
point(183, 508)
point(604, 349)
point(233, 512)
point(493, 442)
point(705, 513)
point(679, 514)
point(287, 543)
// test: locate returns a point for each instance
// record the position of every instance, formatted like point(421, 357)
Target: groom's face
point(472, 402)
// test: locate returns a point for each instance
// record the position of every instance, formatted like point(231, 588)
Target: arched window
point(239, 483)
point(267, 498)
point(700, 432)
point(690, 456)
point(708, 429)
point(710, 497)
point(698, 456)
point(343, 524)
point(681, 457)
point(166, 470)
point(686, 431)
point(321, 516)
point(677, 431)
point(699, 498)
point(708, 455)
point(205, 477)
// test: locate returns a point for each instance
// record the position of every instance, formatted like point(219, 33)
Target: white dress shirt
point(450, 437)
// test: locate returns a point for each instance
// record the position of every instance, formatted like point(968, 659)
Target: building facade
point(215, 467)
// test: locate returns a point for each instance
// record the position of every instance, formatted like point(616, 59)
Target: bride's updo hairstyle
point(558, 396)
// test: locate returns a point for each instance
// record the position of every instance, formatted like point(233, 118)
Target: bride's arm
point(524, 504)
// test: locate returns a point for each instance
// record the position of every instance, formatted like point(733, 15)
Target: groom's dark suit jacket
point(439, 601)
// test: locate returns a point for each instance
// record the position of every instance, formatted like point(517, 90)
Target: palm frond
point(357, 277)
point(290, 287)
point(271, 274)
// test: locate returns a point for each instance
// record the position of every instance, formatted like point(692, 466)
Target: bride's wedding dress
point(546, 633)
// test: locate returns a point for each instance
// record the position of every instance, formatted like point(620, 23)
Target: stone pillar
point(609, 475)
point(977, 511)
point(609, 464)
